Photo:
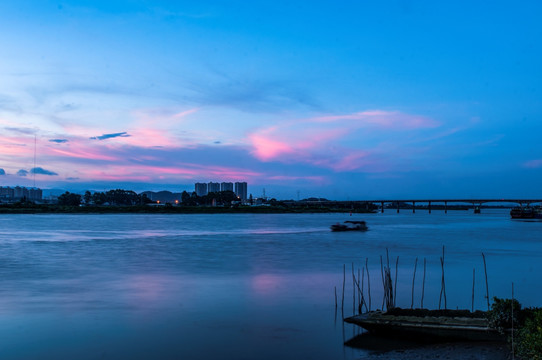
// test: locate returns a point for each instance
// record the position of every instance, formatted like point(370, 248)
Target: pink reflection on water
point(147, 289)
point(266, 284)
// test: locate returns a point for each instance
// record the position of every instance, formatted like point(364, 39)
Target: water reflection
point(253, 286)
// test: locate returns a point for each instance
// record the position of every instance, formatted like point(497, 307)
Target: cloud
point(533, 164)
point(59, 141)
point(110, 136)
point(2, 171)
point(21, 130)
point(348, 142)
point(42, 171)
point(254, 95)
point(72, 178)
point(22, 172)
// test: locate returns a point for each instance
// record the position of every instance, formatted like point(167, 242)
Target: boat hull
point(526, 213)
point(427, 328)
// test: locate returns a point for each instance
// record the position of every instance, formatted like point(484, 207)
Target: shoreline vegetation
point(29, 208)
point(504, 321)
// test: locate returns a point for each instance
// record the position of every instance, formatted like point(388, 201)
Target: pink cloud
point(386, 119)
point(266, 148)
point(81, 153)
point(320, 141)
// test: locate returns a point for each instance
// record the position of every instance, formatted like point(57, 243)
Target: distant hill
point(163, 196)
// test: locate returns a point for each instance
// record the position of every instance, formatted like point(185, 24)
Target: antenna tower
point(35, 142)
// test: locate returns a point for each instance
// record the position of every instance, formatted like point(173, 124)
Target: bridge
point(476, 203)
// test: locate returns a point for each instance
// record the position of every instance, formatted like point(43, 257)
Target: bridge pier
point(397, 207)
point(414, 207)
point(382, 207)
point(429, 207)
point(445, 207)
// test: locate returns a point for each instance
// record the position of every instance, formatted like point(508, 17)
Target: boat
point(423, 324)
point(526, 212)
point(350, 225)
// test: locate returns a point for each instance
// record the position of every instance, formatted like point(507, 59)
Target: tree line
point(119, 197)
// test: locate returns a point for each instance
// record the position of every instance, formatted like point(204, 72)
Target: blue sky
point(352, 100)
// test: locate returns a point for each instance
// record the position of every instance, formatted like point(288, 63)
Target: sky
point(343, 100)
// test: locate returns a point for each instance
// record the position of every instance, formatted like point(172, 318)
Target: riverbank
point(169, 209)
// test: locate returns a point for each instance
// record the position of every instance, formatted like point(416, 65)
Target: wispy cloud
point(21, 130)
point(253, 95)
point(110, 136)
point(59, 141)
point(22, 172)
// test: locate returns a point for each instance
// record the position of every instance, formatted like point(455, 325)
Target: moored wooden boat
point(428, 324)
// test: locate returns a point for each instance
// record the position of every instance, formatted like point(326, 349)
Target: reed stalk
point(413, 282)
point(395, 285)
point(344, 281)
point(383, 283)
point(473, 281)
point(487, 287)
point(353, 291)
point(368, 281)
point(423, 282)
point(443, 284)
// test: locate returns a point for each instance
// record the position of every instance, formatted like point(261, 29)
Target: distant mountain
point(163, 196)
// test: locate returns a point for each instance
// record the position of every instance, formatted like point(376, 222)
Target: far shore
point(168, 209)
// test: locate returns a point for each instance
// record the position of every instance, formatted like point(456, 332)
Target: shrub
point(500, 315)
point(529, 336)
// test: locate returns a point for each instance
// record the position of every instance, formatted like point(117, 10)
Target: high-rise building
point(226, 186)
point(6, 193)
point(241, 190)
point(213, 187)
point(35, 194)
point(201, 189)
point(20, 192)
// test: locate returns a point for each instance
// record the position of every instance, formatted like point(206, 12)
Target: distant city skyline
point(337, 100)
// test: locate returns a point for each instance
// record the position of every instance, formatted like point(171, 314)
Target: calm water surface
point(236, 286)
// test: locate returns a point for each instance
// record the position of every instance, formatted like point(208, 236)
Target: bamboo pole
point(368, 282)
point(487, 287)
point(473, 281)
point(443, 283)
point(513, 321)
point(362, 287)
point(413, 282)
point(361, 293)
point(344, 281)
point(383, 283)
point(395, 285)
point(353, 291)
point(423, 283)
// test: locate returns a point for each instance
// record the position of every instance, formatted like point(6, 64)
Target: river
point(237, 286)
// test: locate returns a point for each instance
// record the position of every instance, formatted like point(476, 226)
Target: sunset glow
point(185, 92)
